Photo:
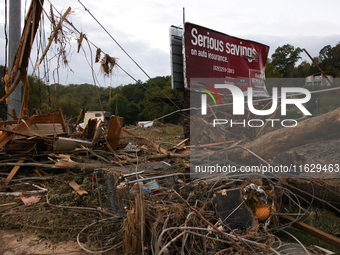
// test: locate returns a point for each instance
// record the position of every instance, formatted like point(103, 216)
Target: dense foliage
point(129, 101)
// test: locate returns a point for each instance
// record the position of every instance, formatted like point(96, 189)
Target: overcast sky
point(142, 29)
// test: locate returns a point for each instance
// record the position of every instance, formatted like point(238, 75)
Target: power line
point(137, 81)
point(128, 54)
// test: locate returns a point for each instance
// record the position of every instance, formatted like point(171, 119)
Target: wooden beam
point(37, 172)
point(25, 45)
point(77, 188)
point(14, 170)
point(5, 138)
point(313, 231)
point(91, 128)
point(114, 130)
point(177, 146)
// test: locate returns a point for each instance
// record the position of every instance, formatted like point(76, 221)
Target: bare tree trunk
point(324, 127)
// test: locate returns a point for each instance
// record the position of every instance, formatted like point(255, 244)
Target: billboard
point(176, 58)
point(211, 57)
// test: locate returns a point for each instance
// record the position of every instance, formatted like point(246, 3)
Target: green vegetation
point(132, 101)
point(129, 101)
point(284, 59)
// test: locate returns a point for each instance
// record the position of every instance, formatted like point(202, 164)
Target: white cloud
point(142, 28)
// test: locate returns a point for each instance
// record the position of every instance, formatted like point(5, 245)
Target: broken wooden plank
point(22, 56)
point(14, 170)
point(114, 130)
point(91, 128)
point(313, 231)
point(178, 146)
point(5, 138)
point(77, 188)
point(97, 135)
point(183, 142)
point(48, 175)
point(30, 200)
point(37, 172)
point(60, 115)
point(43, 125)
point(157, 147)
point(13, 203)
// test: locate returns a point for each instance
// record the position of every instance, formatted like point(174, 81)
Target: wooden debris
point(13, 203)
point(115, 127)
point(313, 231)
point(30, 200)
point(77, 188)
point(91, 128)
point(14, 170)
point(326, 126)
point(25, 45)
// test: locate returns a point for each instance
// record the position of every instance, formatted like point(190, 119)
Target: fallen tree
point(320, 128)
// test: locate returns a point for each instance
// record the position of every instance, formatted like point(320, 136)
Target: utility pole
point(14, 100)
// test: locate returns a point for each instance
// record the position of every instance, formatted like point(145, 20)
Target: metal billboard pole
point(14, 100)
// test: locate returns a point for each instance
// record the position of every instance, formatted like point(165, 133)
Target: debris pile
point(116, 191)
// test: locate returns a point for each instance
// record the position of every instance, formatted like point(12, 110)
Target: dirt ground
point(16, 242)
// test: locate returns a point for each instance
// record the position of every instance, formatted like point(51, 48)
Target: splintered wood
point(77, 188)
point(115, 127)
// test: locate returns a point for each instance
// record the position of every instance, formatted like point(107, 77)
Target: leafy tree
point(69, 107)
point(303, 70)
point(154, 110)
point(271, 71)
point(128, 110)
point(36, 94)
point(284, 59)
point(325, 53)
point(329, 60)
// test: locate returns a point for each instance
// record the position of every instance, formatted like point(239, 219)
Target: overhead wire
point(128, 55)
point(128, 74)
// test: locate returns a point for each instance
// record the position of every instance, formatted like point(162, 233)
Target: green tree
point(284, 59)
point(36, 93)
point(69, 107)
point(153, 110)
point(303, 70)
point(271, 71)
point(329, 60)
point(128, 110)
